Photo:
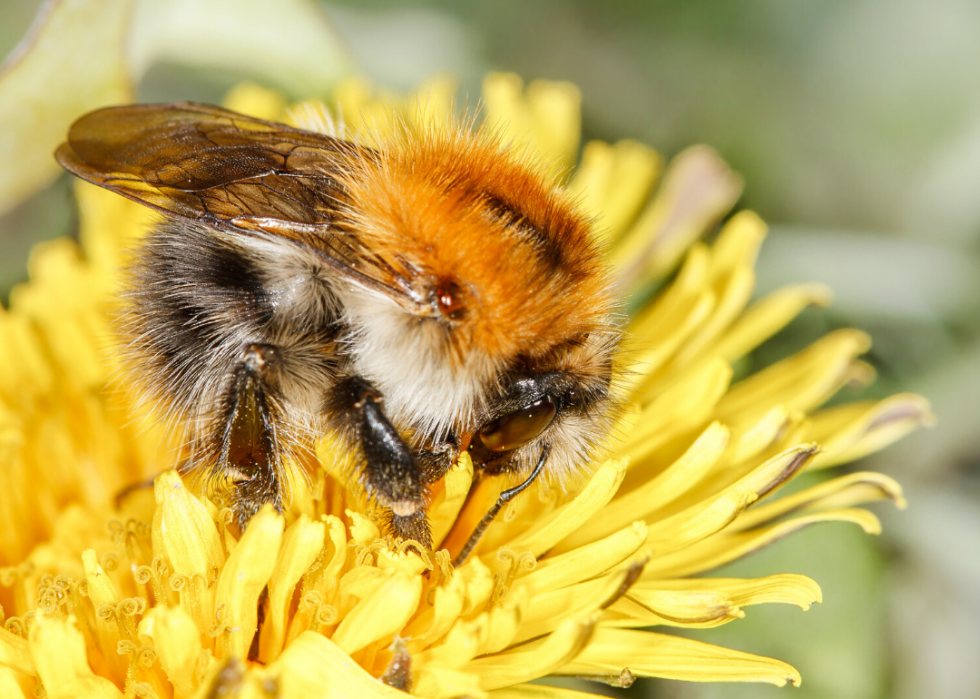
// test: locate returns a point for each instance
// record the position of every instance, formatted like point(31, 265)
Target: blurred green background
point(856, 124)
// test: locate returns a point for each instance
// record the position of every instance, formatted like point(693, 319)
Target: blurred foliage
point(856, 124)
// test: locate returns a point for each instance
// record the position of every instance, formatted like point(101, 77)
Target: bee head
point(564, 399)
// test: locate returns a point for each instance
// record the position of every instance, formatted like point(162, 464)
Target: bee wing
point(230, 171)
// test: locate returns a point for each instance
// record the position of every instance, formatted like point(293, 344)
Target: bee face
point(435, 294)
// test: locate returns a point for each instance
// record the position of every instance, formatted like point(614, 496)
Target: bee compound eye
point(518, 428)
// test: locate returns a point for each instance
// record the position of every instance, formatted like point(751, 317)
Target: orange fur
point(464, 211)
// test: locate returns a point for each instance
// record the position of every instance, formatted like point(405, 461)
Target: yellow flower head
point(158, 596)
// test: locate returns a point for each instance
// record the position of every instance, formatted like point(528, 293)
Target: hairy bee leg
point(250, 420)
point(414, 527)
point(434, 463)
point(390, 472)
point(502, 500)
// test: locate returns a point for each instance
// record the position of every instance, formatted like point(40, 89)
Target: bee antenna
point(502, 500)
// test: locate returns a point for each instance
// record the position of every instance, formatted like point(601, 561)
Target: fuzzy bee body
point(431, 295)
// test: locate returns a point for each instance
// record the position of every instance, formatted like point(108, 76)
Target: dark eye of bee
point(518, 428)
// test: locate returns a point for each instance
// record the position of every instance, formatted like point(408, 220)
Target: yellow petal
point(25, 371)
point(844, 491)
point(669, 309)
point(226, 678)
point(754, 438)
point(183, 530)
point(567, 518)
point(539, 691)
point(455, 650)
point(731, 276)
point(243, 577)
point(848, 432)
point(535, 659)
point(687, 609)
point(380, 614)
point(60, 301)
point(783, 589)
point(14, 652)
point(653, 351)
point(319, 582)
point(555, 112)
point(737, 245)
point(685, 402)
point(447, 605)
point(502, 94)
point(14, 480)
point(552, 608)
point(301, 544)
point(177, 641)
point(503, 620)
point(100, 587)
point(478, 579)
point(657, 655)
point(655, 493)
point(359, 583)
point(709, 601)
point(767, 316)
point(10, 688)
point(438, 682)
point(567, 564)
point(800, 382)
point(58, 649)
point(313, 666)
point(109, 226)
point(546, 118)
point(449, 501)
point(365, 118)
point(732, 296)
point(337, 534)
point(718, 510)
point(718, 550)
point(109, 621)
point(697, 190)
point(612, 183)
point(362, 529)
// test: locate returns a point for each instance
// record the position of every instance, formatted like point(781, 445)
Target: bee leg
point(249, 426)
point(414, 526)
point(128, 490)
point(435, 462)
point(502, 500)
point(390, 472)
point(183, 468)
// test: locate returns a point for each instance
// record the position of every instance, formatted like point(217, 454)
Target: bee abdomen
point(198, 297)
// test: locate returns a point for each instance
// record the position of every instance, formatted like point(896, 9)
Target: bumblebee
point(434, 294)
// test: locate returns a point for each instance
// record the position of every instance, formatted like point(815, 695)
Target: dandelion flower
point(160, 597)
